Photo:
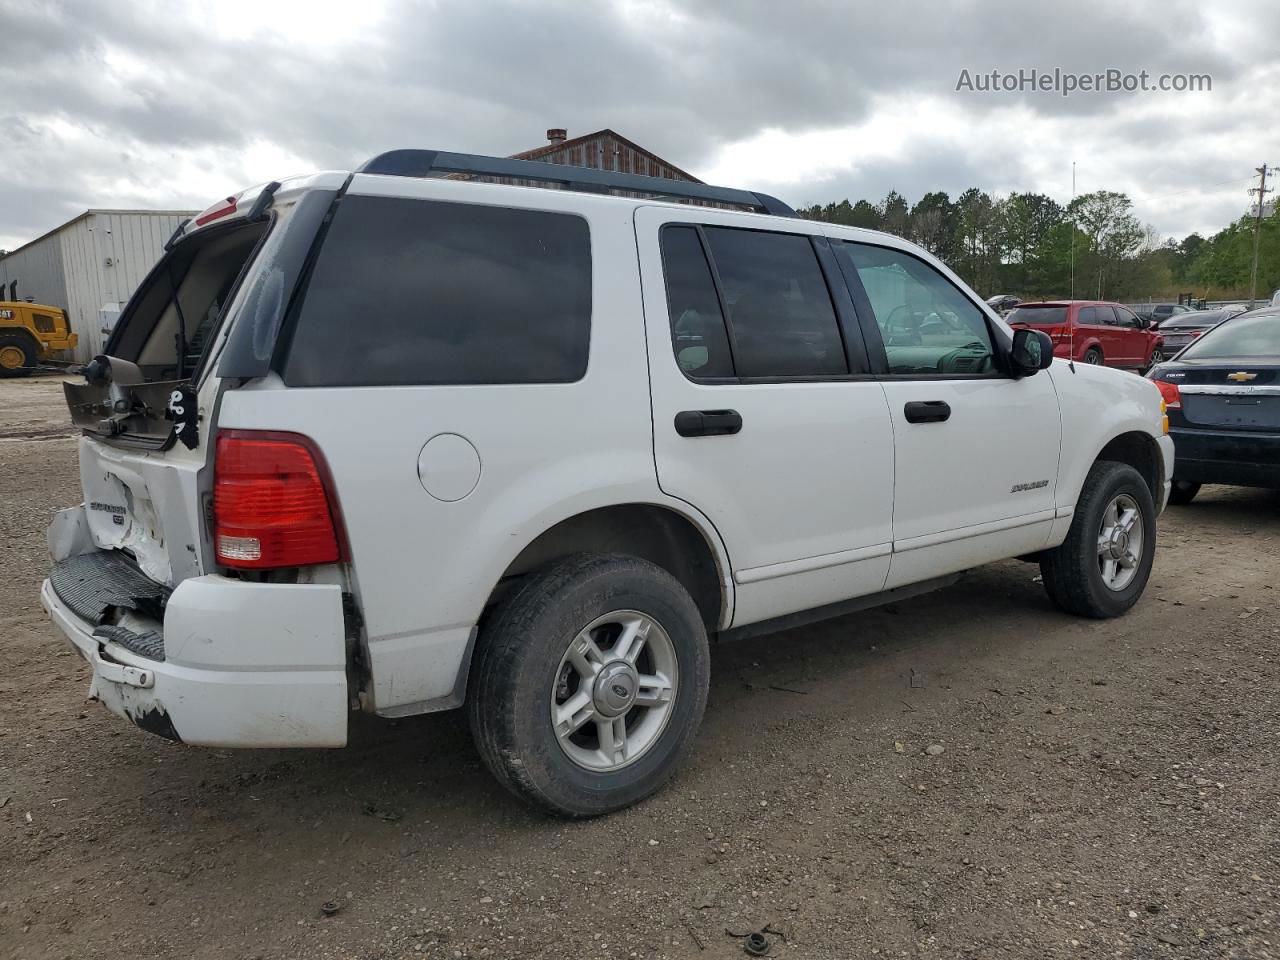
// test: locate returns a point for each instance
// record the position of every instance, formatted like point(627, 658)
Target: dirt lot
point(1105, 789)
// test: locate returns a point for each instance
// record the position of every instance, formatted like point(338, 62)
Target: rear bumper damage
point(238, 664)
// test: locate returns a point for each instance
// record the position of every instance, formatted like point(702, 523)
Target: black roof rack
point(428, 163)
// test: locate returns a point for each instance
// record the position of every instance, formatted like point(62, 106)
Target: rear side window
point(1038, 316)
point(697, 324)
point(779, 308)
point(423, 292)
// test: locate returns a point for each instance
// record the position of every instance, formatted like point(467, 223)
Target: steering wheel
point(908, 337)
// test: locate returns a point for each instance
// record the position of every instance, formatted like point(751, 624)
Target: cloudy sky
point(173, 104)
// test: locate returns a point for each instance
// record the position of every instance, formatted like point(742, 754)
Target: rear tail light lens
point(1169, 393)
point(271, 502)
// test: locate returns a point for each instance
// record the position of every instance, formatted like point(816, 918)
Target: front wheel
point(1102, 567)
point(1157, 358)
point(589, 684)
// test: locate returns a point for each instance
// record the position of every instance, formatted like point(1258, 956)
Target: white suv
point(408, 438)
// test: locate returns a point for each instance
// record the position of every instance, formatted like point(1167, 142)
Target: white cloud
point(174, 104)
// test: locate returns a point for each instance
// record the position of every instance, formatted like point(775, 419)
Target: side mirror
point(1032, 351)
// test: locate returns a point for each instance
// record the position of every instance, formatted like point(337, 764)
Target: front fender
point(1098, 405)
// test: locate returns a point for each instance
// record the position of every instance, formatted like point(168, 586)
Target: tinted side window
point(780, 310)
point(1126, 317)
point(1089, 316)
point(697, 324)
point(424, 292)
point(928, 326)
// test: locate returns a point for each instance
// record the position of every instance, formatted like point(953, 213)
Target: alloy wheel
point(614, 690)
point(1120, 542)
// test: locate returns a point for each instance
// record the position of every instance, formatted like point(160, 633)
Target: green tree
point(1112, 234)
point(1027, 220)
point(934, 221)
point(894, 215)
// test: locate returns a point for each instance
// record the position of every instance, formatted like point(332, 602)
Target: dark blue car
point(1223, 397)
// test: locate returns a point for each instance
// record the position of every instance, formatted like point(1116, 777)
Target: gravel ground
point(968, 774)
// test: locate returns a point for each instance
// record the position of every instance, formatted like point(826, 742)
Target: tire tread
point(492, 714)
point(1065, 570)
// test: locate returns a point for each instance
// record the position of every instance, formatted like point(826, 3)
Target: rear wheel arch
point(669, 539)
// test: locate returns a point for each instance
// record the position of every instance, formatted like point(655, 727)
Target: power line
point(1261, 190)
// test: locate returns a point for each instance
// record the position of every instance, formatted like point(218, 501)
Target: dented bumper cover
point(243, 665)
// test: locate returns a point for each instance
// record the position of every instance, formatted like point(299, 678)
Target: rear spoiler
point(259, 202)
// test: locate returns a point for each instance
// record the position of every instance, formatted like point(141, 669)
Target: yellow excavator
point(30, 334)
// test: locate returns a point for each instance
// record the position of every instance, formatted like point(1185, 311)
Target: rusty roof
point(547, 149)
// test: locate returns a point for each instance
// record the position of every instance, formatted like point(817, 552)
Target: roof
point(97, 210)
point(555, 147)
point(11, 304)
point(1064, 303)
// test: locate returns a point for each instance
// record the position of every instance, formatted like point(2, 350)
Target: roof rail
point(427, 163)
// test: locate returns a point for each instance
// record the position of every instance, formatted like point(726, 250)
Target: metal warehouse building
point(90, 266)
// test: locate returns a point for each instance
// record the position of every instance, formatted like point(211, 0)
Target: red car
point(1094, 331)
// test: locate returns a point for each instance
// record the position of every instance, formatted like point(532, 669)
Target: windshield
point(1257, 336)
point(1038, 316)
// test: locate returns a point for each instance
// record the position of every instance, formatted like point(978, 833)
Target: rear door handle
point(927, 411)
point(708, 423)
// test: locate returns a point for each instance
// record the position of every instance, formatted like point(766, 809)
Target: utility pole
point(1262, 191)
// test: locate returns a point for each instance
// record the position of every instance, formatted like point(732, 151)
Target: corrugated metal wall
point(94, 261)
point(39, 270)
point(107, 255)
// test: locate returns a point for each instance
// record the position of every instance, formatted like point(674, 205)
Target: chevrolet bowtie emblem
point(1241, 376)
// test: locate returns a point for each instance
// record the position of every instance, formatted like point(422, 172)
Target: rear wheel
point(589, 684)
point(17, 355)
point(1094, 356)
point(1102, 567)
point(1183, 492)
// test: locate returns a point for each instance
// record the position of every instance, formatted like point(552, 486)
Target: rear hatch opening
point(162, 340)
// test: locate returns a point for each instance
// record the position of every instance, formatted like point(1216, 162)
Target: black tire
point(1183, 492)
point(1071, 572)
point(30, 354)
point(1093, 356)
point(518, 660)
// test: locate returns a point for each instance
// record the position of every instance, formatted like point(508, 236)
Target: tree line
point(1021, 244)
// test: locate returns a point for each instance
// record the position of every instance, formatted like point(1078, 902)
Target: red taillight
point(271, 505)
point(223, 208)
point(1169, 391)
